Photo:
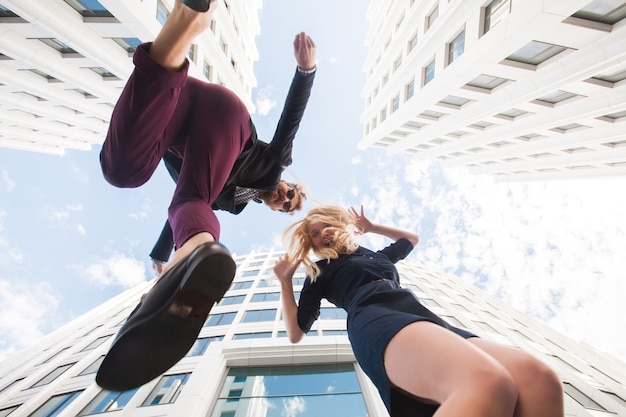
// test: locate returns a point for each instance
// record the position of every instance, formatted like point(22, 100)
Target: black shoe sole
point(198, 5)
point(165, 325)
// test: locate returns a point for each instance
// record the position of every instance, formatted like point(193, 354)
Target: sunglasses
point(290, 195)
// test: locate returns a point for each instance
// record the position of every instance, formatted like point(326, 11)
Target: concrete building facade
point(63, 64)
point(521, 90)
point(243, 365)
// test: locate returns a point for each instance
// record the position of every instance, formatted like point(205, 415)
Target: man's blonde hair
point(299, 244)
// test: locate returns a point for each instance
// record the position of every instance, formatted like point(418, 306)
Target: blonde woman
point(421, 365)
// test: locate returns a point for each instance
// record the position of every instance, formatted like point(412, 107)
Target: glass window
point(270, 296)
point(237, 299)
point(55, 405)
point(456, 47)
point(129, 44)
point(432, 16)
point(383, 115)
point(581, 398)
point(409, 90)
point(89, 8)
point(429, 72)
point(6, 411)
point(431, 114)
point(603, 11)
point(411, 43)
point(167, 390)
point(11, 384)
point(486, 82)
point(207, 70)
point(96, 343)
point(53, 375)
point(93, 368)
point(535, 53)
point(298, 281)
point(257, 335)
point(612, 76)
point(455, 101)
point(556, 97)
point(55, 355)
point(252, 273)
point(241, 285)
point(201, 344)
point(220, 319)
point(335, 332)
point(395, 103)
point(494, 13)
point(108, 401)
point(511, 113)
point(397, 63)
point(332, 313)
point(59, 46)
point(259, 315)
point(305, 391)
point(161, 13)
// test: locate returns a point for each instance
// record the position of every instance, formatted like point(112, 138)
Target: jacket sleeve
point(165, 244)
point(295, 104)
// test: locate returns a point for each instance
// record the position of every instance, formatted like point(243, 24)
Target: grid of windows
point(167, 389)
point(55, 404)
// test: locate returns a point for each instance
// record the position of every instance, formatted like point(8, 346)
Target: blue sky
point(69, 241)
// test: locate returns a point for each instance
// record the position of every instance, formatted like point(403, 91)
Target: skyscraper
point(243, 365)
point(518, 90)
point(65, 62)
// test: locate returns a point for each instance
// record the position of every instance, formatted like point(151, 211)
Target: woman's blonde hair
point(299, 244)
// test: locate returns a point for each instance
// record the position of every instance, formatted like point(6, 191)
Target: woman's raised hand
point(285, 268)
point(362, 223)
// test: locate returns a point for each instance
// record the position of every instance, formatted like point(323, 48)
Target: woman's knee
point(543, 378)
point(496, 382)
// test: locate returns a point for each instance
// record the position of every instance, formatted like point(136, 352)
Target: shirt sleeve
point(397, 250)
point(308, 306)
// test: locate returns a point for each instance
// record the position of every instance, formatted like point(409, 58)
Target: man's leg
point(171, 45)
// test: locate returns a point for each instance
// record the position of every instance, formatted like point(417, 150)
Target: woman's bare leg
point(540, 389)
point(439, 366)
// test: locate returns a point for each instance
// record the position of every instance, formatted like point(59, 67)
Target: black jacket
point(259, 166)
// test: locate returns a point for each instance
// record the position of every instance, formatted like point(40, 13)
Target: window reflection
point(305, 391)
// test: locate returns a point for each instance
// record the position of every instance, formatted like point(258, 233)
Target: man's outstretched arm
point(305, 52)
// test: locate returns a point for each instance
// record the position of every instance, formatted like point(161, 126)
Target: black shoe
point(166, 323)
point(198, 5)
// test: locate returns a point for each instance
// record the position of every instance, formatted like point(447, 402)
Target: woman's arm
point(284, 270)
point(364, 225)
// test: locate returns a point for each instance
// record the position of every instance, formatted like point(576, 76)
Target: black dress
point(366, 285)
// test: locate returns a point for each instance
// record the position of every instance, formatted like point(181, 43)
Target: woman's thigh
point(432, 362)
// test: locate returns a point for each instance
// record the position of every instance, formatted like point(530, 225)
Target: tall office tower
point(242, 364)
point(63, 63)
point(518, 90)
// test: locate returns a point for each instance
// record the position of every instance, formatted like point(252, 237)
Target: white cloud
point(356, 160)
point(9, 184)
point(26, 307)
point(264, 102)
point(146, 208)
point(9, 254)
point(59, 216)
point(553, 250)
point(81, 230)
point(118, 270)
point(293, 406)
point(74, 207)
point(334, 60)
